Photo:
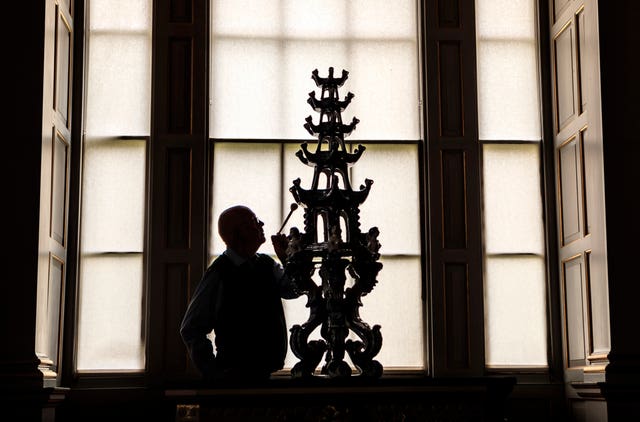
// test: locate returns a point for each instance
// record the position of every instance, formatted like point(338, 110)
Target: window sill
point(387, 398)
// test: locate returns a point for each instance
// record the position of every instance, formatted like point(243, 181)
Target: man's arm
point(280, 243)
point(287, 288)
point(198, 321)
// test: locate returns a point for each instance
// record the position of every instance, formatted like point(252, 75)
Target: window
point(261, 66)
point(260, 76)
point(510, 134)
point(111, 333)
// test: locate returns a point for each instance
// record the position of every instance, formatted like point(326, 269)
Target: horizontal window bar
point(111, 253)
point(510, 141)
point(102, 138)
point(258, 38)
point(513, 254)
point(300, 141)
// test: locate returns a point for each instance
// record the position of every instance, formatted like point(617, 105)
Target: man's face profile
point(251, 229)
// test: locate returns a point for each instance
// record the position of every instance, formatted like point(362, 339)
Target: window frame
point(152, 373)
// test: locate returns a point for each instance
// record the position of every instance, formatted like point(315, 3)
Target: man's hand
point(280, 244)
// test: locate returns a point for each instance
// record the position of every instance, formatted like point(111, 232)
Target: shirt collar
point(235, 258)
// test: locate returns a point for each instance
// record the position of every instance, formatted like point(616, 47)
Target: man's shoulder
point(219, 264)
point(264, 256)
point(265, 259)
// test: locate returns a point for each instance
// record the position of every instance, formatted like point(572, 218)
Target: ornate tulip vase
point(333, 244)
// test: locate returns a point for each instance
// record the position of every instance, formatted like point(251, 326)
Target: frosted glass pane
point(294, 169)
point(300, 59)
point(508, 100)
point(384, 78)
point(393, 202)
point(261, 77)
point(119, 85)
point(246, 89)
point(515, 321)
point(315, 18)
point(246, 18)
point(507, 19)
point(246, 174)
point(382, 20)
point(113, 196)
point(512, 199)
point(120, 15)
point(110, 314)
point(296, 312)
point(395, 304)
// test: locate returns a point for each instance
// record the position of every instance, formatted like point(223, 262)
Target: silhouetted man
point(239, 298)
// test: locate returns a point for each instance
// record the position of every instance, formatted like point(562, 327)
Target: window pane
point(402, 327)
point(118, 102)
point(301, 57)
point(384, 78)
point(315, 19)
point(394, 171)
point(507, 19)
point(515, 330)
point(512, 199)
point(119, 85)
point(110, 335)
point(246, 91)
point(261, 77)
point(246, 174)
point(230, 18)
point(508, 81)
point(509, 110)
point(395, 303)
point(294, 169)
point(393, 202)
point(379, 19)
point(120, 15)
point(113, 196)
point(508, 91)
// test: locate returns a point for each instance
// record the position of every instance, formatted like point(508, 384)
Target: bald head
point(241, 230)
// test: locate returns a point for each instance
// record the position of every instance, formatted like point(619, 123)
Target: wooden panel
point(54, 308)
point(585, 196)
point(179, 191)
point(180, 95)
point(568, 188)
point(456, 287)
point(588, 301)
point(572, 283)
point(452, 154)
point(59, 188)
point(598, 302)
point(448, 13)
point(67, 4)
point(178, 197)
point(450, 89)
point(178, 291)
point(454, 199)
point(564, 77)
point(558, 7)
point(579, 176)
point(581, 61)
point(181, 11)
point(62, 67)
point(56, 146)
